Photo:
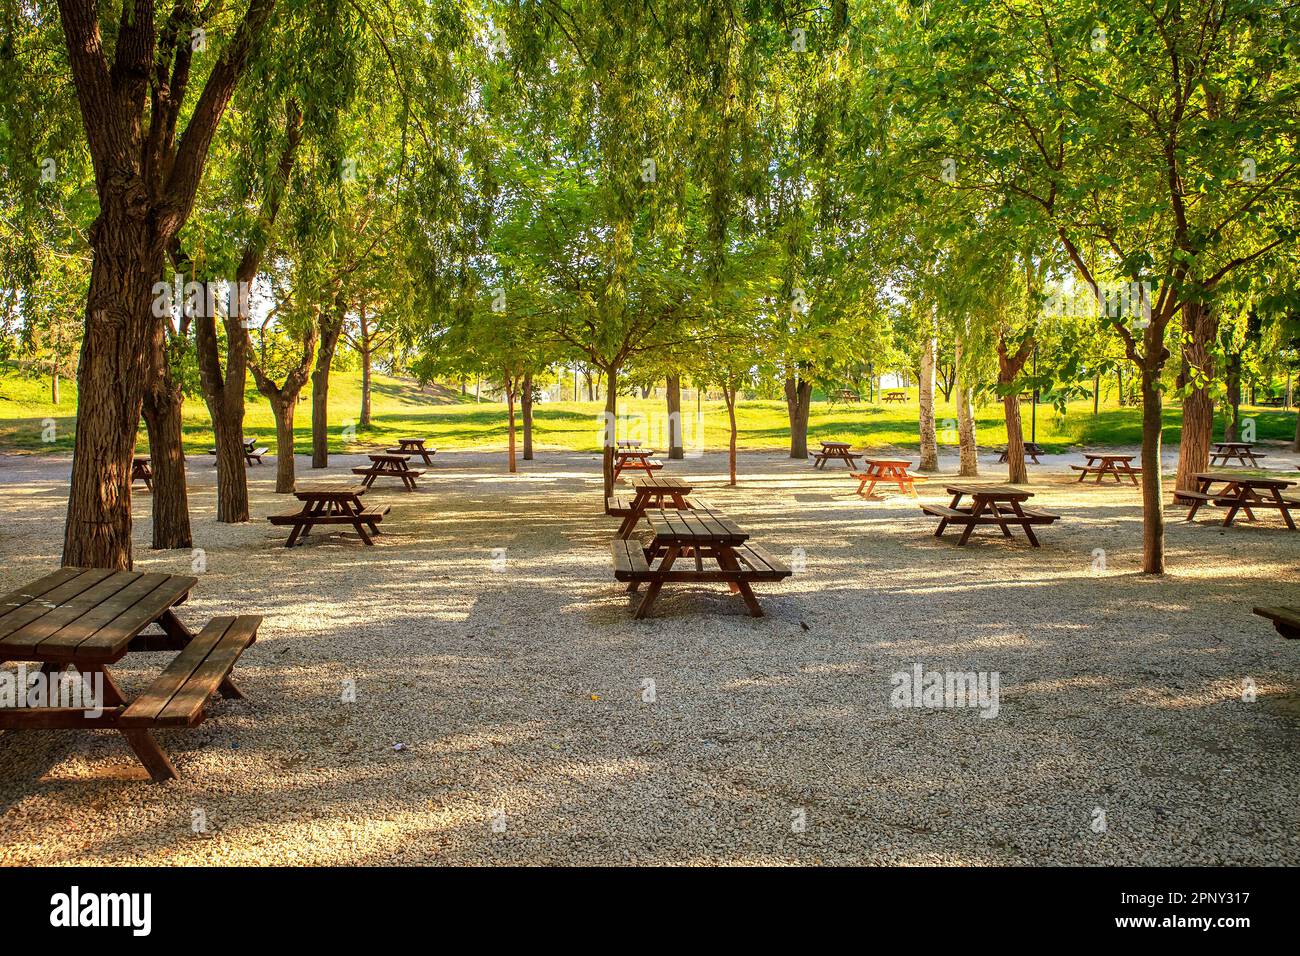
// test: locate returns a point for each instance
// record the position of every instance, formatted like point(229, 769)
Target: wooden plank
point(110, 641)
point(30, 592)
point(186, 707)
point(33, 634)
point(146, 708)
point(70, 636)
point(22, 616)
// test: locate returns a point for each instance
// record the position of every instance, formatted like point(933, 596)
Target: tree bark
point(676, 444)
point(510, 415)
point(1153, 515)
point(611, 423)
point(1200, 323)
point(54, 387)
point(162, 405)
point(363, 343)
point(1009, 366)
point(929, 445)
point(798, 400)
point(331, 328)
point(1233, 426)
point(969, 450)
point(526, 410)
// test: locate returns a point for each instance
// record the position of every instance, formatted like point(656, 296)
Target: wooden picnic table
point(252, 454)
point(888, 470)
point(142, 470)
point(635, 459)
point(331, 505)
point(1101, 464)
point(89, 619)
point(694, 535)
point(650, 492)
point(1243, 452)
point(1240, 493)
point(628, 443)
point(838, 450)
point(1000, 505)
point(388, 465)
point(414, 446)
point(899, 397)
point(1031, 449)
point(1285, 619)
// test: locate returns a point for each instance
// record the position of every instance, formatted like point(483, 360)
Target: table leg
point(1238, 502)
point(652, 592)
point(975, 512)
point(728, 561)
point(1024, 523)
point(175, 628)
point(148, 752)
point(1203, 487)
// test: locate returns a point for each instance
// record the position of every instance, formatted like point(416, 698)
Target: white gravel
point(517, 697)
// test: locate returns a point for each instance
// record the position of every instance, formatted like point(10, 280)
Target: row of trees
point(734, 193)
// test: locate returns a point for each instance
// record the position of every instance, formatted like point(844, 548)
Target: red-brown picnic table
point(628, 443)
point(414, 446)
point(1241, 493)
point(649, 492)
point(635, 459)
point(1001, 505)
point(388, 465)
point(88, 619)
point(142, 470)
point(331, 505)
point(1241, 451)
point(1104, 463)
point(692, 536)
point(896, 397)
point(887, 470)
point(839, 450)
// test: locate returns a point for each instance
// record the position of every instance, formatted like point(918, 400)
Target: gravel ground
point(502, 716)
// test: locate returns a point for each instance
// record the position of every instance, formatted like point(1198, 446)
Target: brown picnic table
point(887, 470)
point(628, 443)
point(1001, 505)
point(388, 465)
point(635, 459)
point(1240, 451)
point(1286, 620)
point(331, 505)
point(1031, 449)
point(252, 454)
point(1100, 464)
point(414, 446)
point(899, 397)
point(708, 545)
point(839, 450)
point(89, 619)
point(1246, 493)
point(650, 492)
point(142, 470)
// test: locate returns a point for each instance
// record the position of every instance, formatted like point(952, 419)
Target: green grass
point(447, 420)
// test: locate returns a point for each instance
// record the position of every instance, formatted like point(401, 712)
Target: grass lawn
point(448, 420)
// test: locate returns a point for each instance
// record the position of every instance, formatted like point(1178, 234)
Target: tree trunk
point(729, 393)
point(1233, 427)
point(526, 409)
point(1096, 395)
point(676, 445)
point(969, 450)
point(929, 446)
point(798, 399)
point(365, 386)
point(611, 423)
point(1009, 367)
point(1153, 515)
point(110, 385)
point(331, 328)
point(54, 387)
point(1199, 331)
point(510, 412)
point(1119, 384)
point(162, 406)
point(283, 407)
point(232, 477)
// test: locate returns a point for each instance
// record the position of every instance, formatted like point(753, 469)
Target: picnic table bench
point(888, 470)
point(899, 397)
point(652, 491)
point(1000, 505)
point(388, 465)
point(1243, 452)
point(1102, 464)
point(414, 446)
point(635, 459)
point(1032, 450)
point(252, 454)
point(88, 619)
point(694, 534)
point(1285, 619)
point(1240, 493)
point(331, 505)
point(142, 470)
point(838, 450)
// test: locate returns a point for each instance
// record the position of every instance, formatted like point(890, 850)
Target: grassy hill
point(449, 420)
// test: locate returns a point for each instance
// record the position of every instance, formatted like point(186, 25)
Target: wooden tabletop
point(1233, 444)
point(696, 526)
point(835, 444)
point(87, 615)
point(410, 441)
point(670, 485)
point(634, 453)
point(1248, 480)
point(888, 461)
point(390, 457)
point(1106, 456)
point(989, 491)
point(315, 492)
